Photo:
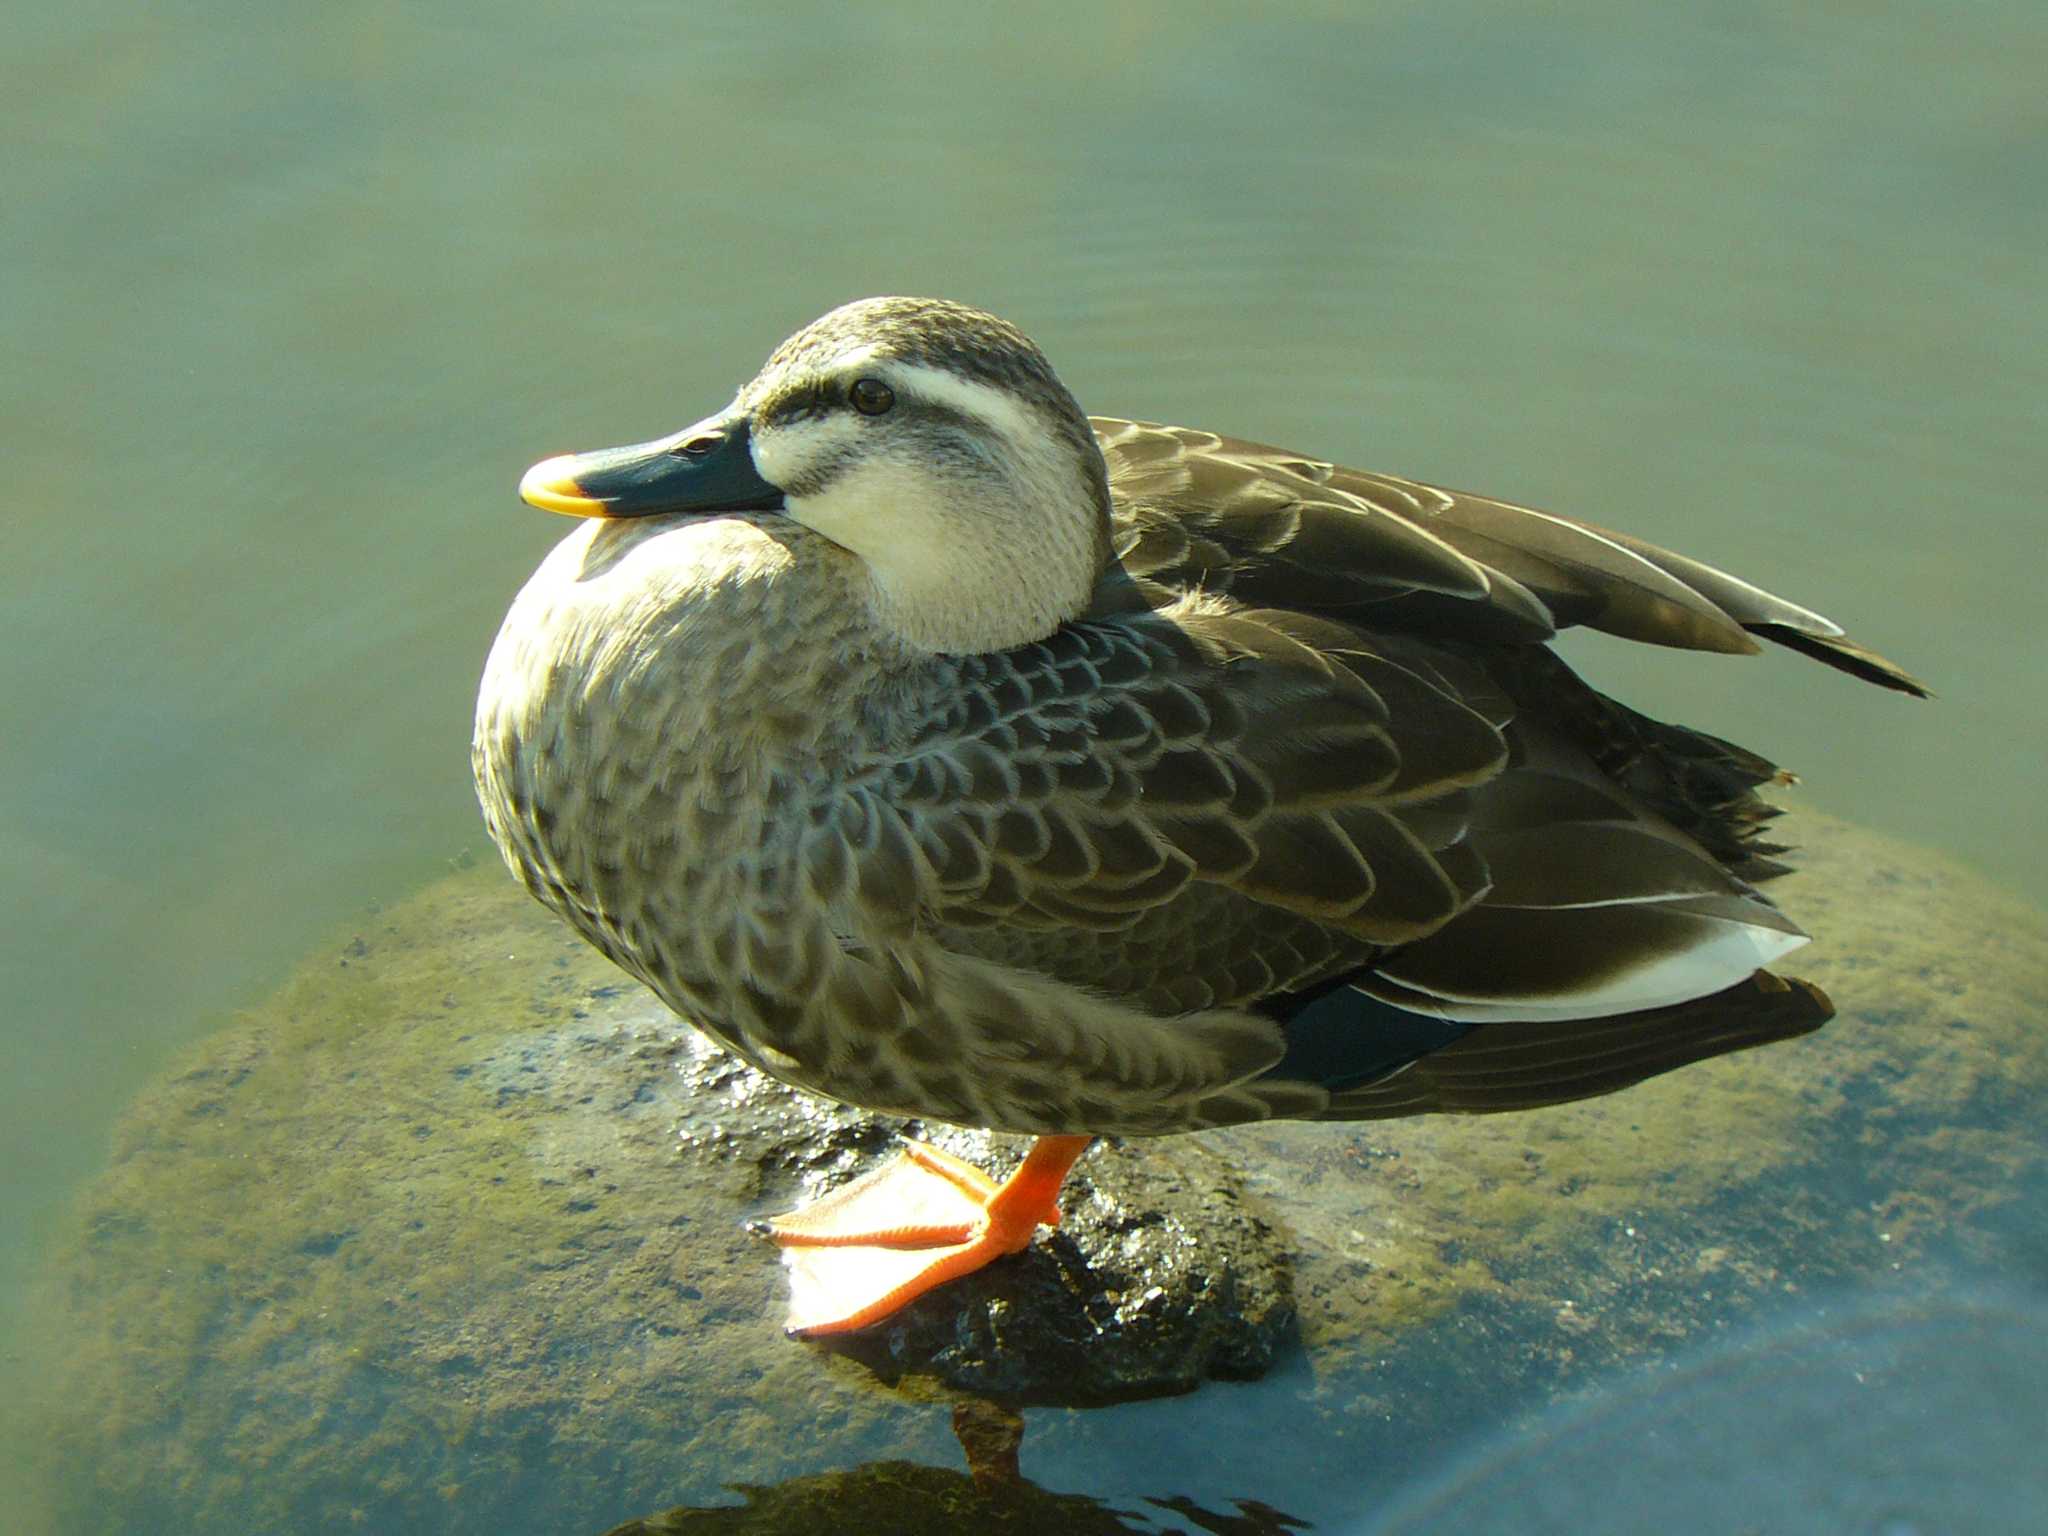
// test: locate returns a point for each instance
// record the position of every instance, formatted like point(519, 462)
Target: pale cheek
point(890, 517)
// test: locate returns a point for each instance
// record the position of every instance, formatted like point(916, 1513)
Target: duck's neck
point(952, 606)
point(964, 563)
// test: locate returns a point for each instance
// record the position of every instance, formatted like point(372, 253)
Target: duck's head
point(930, 441)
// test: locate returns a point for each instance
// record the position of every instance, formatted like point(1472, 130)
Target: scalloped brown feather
point(1307, 733)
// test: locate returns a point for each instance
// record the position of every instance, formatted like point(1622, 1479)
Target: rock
point(1158, 1277)
point(448, 1235)
point(460, 1187)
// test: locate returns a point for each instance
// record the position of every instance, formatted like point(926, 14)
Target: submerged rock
point(1821, 1423)
point(448, 1235)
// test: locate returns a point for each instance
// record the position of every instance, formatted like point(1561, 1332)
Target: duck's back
point(1302, 817)
point(1577, 878)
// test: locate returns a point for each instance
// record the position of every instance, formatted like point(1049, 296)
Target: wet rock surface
point(1159, 1276)
point(462, 1193)
point(449, 1235)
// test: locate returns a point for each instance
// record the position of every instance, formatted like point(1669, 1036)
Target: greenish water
point(290, 295)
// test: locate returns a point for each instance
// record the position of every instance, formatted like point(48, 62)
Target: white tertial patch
point(965, 557)
point(1726, 952)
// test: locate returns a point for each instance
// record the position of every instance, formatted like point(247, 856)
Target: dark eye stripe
point(811, 399)
point(815, 398)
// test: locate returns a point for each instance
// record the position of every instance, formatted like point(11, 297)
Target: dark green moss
point(434, 1238)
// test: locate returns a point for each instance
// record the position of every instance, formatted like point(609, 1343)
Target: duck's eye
point(871, 397)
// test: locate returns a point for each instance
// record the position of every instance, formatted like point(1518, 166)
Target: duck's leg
point(926, 1217)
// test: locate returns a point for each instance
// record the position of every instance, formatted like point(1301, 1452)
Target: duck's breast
point(661, 693)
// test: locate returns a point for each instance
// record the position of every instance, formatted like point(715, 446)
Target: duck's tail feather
point(1771, 617)
point(1844, 655)
point(1699, 783)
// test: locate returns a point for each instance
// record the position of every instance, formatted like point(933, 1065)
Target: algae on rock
point(448, 1233)
point(453, 1226)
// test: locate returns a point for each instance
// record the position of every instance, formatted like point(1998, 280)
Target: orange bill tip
point(551, 486)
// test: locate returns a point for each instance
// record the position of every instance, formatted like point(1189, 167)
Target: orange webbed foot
point(860, 1253)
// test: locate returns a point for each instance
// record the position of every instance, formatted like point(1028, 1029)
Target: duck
point(940, 749)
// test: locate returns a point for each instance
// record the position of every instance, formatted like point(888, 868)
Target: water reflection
point(906, 1499)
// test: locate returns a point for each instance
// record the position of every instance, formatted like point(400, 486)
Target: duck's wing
point(1275, 527)
point(1084, 784)
point(1360, 803)
point(1087, 780)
